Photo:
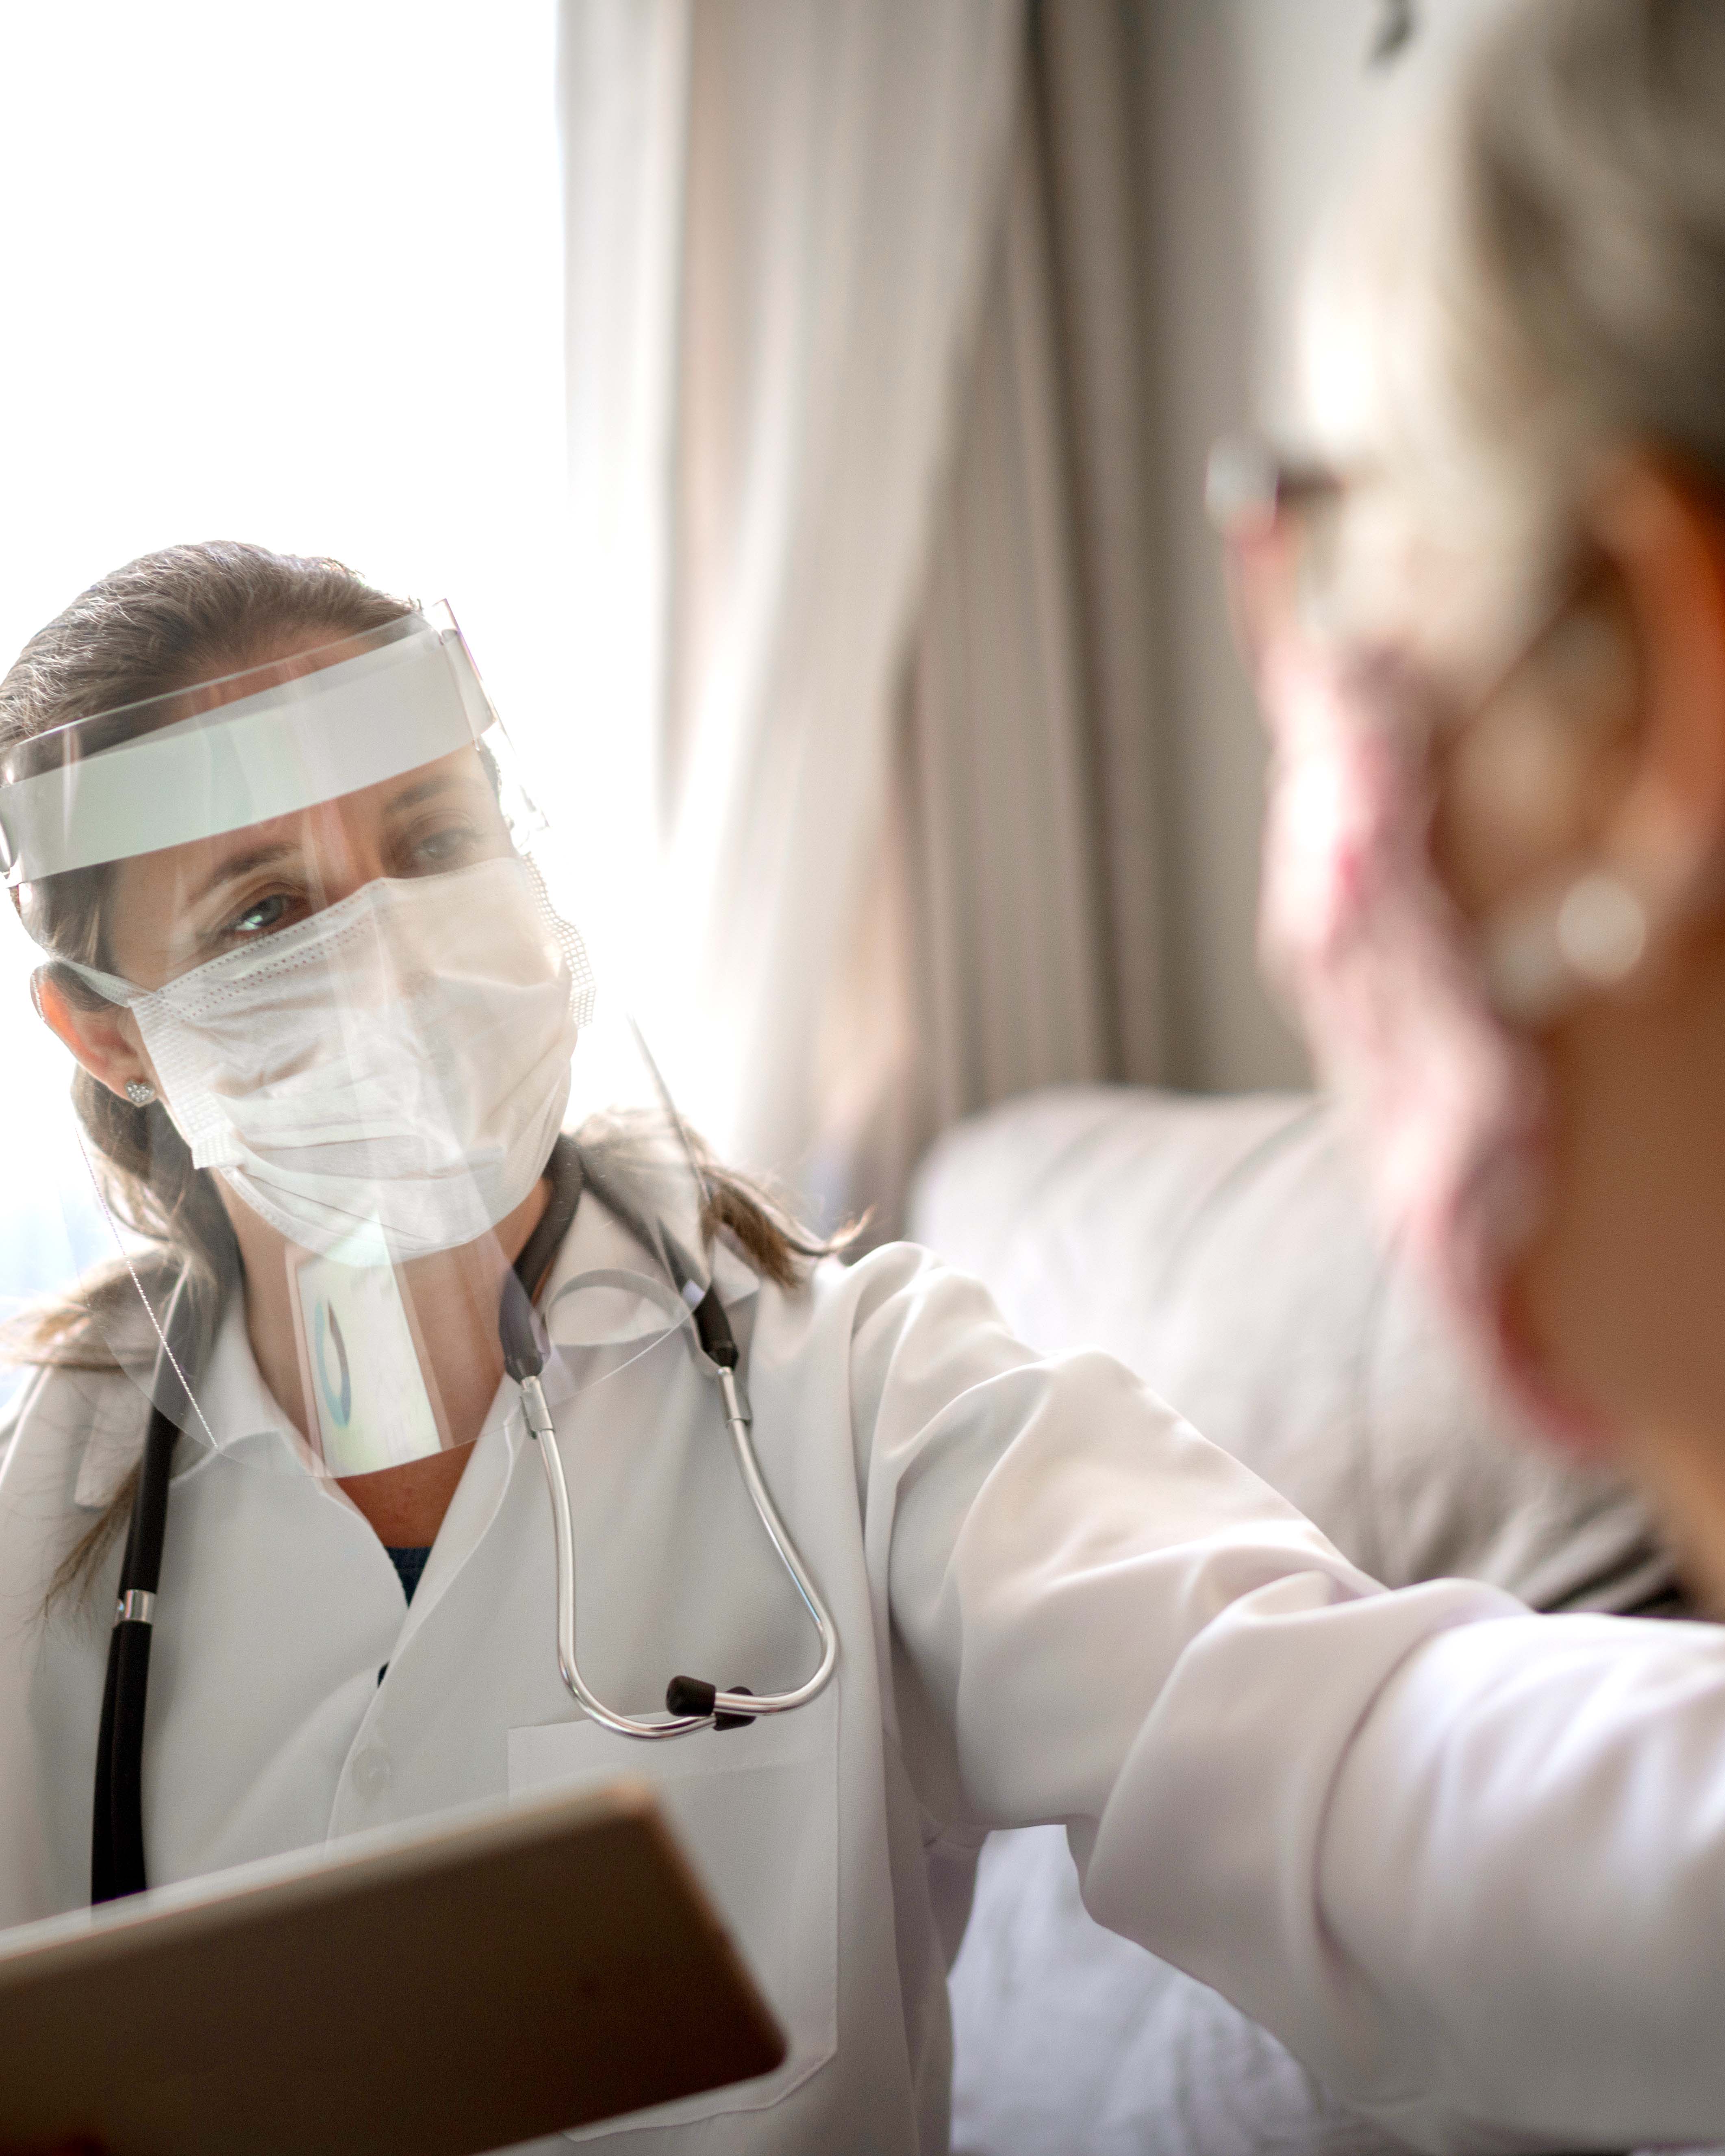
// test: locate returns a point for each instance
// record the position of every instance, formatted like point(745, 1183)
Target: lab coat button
point(371, 1771)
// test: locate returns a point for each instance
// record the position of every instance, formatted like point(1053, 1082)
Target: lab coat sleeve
point(1466, 1862)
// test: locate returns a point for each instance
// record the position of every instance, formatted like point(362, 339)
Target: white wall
point(1259, 113)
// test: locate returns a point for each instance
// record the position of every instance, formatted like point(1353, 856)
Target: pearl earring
point(1543, 953)
point(1602, 928)
point(138, 1093)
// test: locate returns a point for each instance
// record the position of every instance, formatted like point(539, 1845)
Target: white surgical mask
point(385, 1079)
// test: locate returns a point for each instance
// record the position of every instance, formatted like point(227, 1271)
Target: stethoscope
point(691, 1703)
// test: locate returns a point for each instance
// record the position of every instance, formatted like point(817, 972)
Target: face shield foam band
point(308, 737)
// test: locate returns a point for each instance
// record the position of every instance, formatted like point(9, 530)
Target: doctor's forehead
point(350, 823)
point(287, 654)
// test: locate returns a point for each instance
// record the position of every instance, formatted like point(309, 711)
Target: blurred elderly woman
point(1488, 628)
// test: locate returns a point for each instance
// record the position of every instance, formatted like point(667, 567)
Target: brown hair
point(162, 623)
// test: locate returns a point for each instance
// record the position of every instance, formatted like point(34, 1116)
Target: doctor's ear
point(102, 1035)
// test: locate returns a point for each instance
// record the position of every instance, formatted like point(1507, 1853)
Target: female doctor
point(406, 1216)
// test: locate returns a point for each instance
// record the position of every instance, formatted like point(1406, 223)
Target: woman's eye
point(261, 915)
point(444, 848)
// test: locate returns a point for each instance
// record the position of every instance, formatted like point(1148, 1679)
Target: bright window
point(290, 276)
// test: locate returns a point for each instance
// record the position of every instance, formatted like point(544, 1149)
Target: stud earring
point(1543, 953)
point(138, 1093)
point(1602, 928)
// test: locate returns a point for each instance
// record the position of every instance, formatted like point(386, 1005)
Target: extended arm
point(1470, 1864)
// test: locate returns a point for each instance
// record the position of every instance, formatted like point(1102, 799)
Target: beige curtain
point(779, 218)
point(1013, 933)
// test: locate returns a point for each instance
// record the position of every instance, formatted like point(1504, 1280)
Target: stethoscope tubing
point(116, 1837)
point(738, 1421)
point(724, 1708)
point(116, 1844)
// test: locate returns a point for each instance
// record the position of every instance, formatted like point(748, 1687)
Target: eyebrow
point(421, 789)
point(262, 857)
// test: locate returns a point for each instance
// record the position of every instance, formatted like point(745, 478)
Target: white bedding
point(1069, 2039)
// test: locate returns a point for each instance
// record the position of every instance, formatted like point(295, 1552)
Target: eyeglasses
point(1279, 518)
point(1302, 537)
point(1250, 486)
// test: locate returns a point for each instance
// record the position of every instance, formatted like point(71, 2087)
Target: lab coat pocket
point(757, 1811)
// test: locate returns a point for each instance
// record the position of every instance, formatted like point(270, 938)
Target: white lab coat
point(1470, 1863)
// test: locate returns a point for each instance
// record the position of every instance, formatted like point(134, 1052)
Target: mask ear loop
point(167, 1353)
point(167, 1346)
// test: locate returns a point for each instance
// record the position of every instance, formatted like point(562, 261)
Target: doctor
point(301, 933)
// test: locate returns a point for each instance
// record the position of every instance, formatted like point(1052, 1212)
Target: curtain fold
point(858, 374)
point(1086, 75)
point(623, 94)
point(999, 790)
point(772, 287)
point(1012, 936)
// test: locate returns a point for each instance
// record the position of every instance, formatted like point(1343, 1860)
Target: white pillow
point(1223, 1249)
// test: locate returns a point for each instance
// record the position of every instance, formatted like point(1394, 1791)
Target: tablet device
point(432, 1992)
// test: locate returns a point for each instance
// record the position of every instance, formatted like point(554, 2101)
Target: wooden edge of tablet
point(454, 1988)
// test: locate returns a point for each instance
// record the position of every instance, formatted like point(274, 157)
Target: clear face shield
point(356, 1104)
point(303, 923)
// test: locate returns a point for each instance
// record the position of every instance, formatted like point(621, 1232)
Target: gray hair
point(1540, 282)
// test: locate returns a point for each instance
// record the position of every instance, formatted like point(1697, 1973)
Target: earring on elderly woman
point(138, 1093)
point(1592, 933)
